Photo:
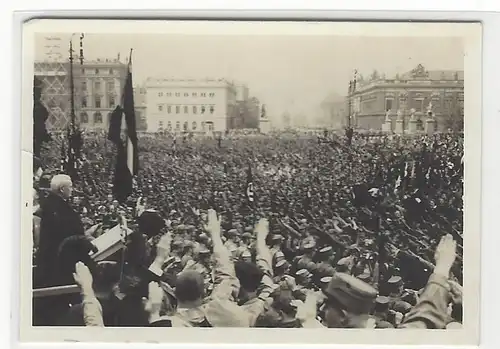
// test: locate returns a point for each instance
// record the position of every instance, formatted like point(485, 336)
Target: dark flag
point(70, 158)
point(126, 166)
point(115, 125)
point(64, 157)
point(249, 191)
point(40, 116)
point(129, 110)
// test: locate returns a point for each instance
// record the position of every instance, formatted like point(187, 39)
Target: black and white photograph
point(263, 179)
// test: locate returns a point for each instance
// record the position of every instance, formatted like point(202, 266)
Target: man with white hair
point(58, 221)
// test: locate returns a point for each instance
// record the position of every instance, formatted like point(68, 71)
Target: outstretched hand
point(213, 224)
point(262, 228)
point(83, 277)
point(445, 254)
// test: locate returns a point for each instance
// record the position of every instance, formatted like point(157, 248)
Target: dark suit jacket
point(58, 222)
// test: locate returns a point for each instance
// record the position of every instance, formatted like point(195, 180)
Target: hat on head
point(382, 300)
point(309, 245)
point(277, 237)
point(279, 254)
point(394, 280)
point(326, 280)
point(325, 249)
point(352, 294)
point(246, 235)
point(281, 263)
point(189, 286)
point(232, 232)
point(303, 273)
point(364, 277)
point(401, 307)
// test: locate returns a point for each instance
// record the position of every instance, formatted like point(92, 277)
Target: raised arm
point(431, 309)
point(92, 309)
point(224, 273)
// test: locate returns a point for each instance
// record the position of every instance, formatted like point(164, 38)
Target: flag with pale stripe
point(249, 189)
point(127, 159)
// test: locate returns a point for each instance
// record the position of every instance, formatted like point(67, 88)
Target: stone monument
point(387, 125)
point(430, 123)
point(264, 125)
point(399, 123)
point(412, 125)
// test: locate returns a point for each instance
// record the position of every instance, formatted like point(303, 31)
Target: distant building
point(242, 92)
point(140, 105)
point(334, 109)
point(189, 105)
point(377, 95)
point(98, 88)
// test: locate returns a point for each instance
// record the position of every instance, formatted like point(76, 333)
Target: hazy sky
point(287, 73)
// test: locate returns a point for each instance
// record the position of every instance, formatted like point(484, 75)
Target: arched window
point(203, 125)
point(178, 125)
point(84, 118)
point(194, 125)
point(185, 126)
point(186, 109)
point(97, 118)
point(202, 109)
point(195, 110)
point(169, 126)
point(212, 109)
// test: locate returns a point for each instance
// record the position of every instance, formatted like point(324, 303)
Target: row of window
point(203, 109)
point(97, 71)
point(98, 102)
point(186, 94)
point(185, 127)
point(84, 118)
point(97, 86)
point(421, 105)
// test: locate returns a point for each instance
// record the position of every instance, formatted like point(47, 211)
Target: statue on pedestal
point(388, 116)
point(412, 114)
point(430, 114)
point(400, 115)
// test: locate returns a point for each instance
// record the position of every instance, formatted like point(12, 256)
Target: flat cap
point(325, 249)
point(281, 263)
point(277, 237)
point(303, 273)
point(394, 280)
point(309, 245)
point(354, 295)
point(382, 300)
point(364, 277)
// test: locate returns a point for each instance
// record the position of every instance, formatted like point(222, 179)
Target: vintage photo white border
point(471, 34)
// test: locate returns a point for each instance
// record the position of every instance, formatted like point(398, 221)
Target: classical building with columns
point(379, 98)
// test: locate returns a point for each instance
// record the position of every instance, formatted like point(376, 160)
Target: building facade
point(417, 91)
point(140, 105)
point(98, 87)
point(175, 105)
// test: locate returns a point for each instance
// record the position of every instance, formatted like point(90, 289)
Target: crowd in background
point(366, 233)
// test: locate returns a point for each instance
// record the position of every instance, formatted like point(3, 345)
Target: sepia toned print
point(250, 181)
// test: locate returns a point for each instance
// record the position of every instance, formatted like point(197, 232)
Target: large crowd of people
point(365, 233)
